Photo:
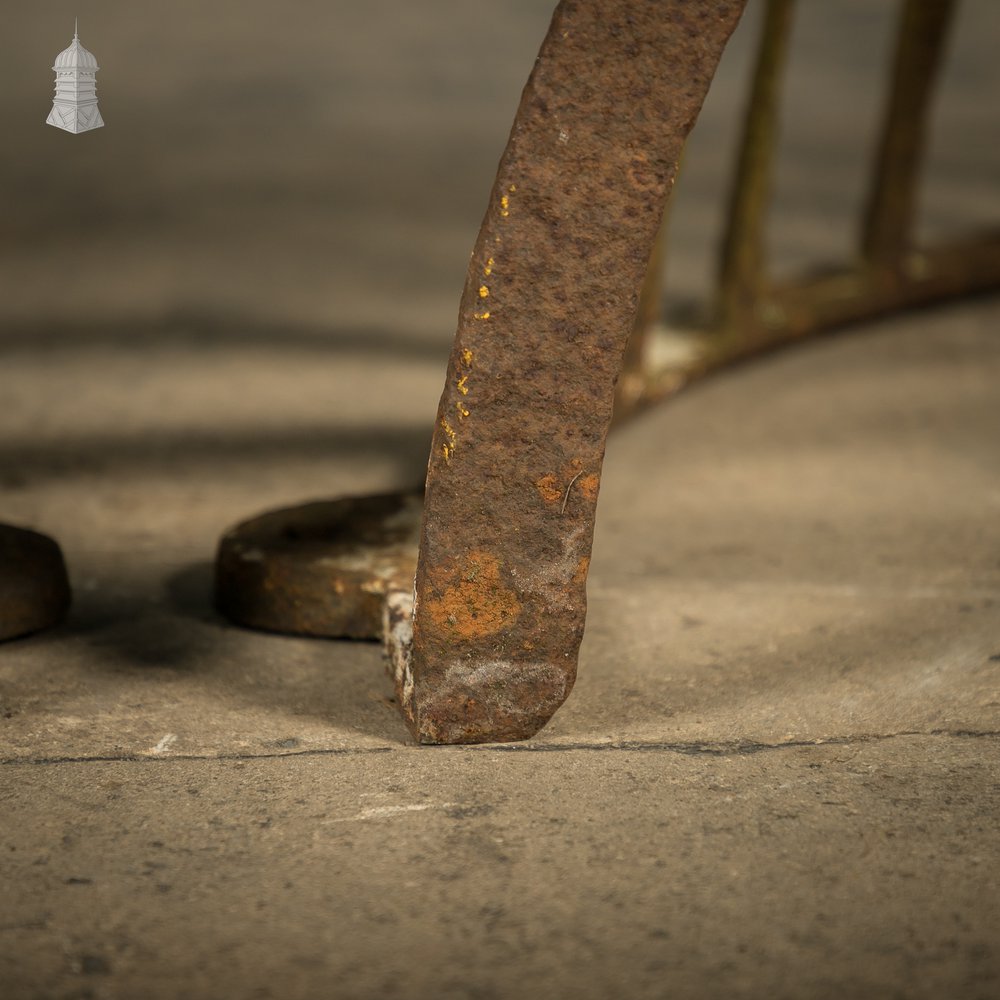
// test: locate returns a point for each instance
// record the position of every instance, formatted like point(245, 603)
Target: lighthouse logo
point(75, 106)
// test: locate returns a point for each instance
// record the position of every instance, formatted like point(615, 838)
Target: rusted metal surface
point(549, 300)
point(320, 569)
point(34, 588)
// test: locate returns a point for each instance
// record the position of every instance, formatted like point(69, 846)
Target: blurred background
point(312, 163)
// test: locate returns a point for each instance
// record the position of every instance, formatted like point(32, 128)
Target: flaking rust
point(490, 651)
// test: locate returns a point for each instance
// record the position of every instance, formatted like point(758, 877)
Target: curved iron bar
point(550, 298)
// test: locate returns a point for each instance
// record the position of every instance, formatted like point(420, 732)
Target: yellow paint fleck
point(467, 356)
point(512, 188)
point(505, 206)
point(462, 411)
point(483, 292)
point(449, 446)
point(482, 315)
point(462, 387)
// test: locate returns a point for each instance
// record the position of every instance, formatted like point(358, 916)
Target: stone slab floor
point(779, 773)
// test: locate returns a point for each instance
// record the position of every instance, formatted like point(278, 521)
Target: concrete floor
point(779, 773)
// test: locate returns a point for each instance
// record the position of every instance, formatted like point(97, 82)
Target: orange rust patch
point(589, 485)
point(549, 488)
point(475, 601)
point(582, 566)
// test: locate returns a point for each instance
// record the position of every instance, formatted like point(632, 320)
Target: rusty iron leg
point(485, 647)
point(549, 300)
point(34, 588)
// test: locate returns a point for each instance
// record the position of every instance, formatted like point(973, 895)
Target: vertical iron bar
point(742, 266)
point(891, 208)
point(550, 297)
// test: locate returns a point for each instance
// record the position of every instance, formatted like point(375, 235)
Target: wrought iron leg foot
point(34, 586)
point(319, 569)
